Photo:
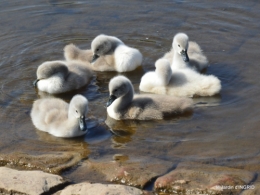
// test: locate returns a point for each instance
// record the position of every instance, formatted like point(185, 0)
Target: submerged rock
point(194, 178)
point(52, 156)
point(28, 182)
point(86, 188)
point(134, 173)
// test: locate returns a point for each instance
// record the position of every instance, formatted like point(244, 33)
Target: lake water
point(223, 130)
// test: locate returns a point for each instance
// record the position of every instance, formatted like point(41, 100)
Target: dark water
point(224, 131)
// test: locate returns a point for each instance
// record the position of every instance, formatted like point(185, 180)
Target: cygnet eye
point(76, 111)
point(179, 46)
point(97, 49)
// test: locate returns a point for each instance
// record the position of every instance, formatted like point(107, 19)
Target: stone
point(252, 189)
point(137, 173)
point(195, 178)
point(28, 182)
point(86, 188)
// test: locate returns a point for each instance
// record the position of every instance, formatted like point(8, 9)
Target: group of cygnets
point(175, 80)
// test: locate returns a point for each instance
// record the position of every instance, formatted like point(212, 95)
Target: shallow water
point(223, 130)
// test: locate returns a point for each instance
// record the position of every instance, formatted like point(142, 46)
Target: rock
point(49, 154)
point(252, 189)
point(194, 178)
point(129, 172)
point(86, 188)
point(28, 182)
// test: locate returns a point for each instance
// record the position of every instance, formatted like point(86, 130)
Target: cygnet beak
point(111, 99)
point(185, 56)
point(35, 82)
point(94, 58)
point(82, 123)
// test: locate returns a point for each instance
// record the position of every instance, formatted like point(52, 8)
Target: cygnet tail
point(127, 59)
point(149, 84)
point(71, 52)
point(209, 86)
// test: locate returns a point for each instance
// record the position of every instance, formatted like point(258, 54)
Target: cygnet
point(185, 53)
point(60, 76)
point(107, 53)
point(59, 118)
point(183, 82)
point(123, 103)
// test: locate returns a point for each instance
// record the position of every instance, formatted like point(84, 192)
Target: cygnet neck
point(177, 61)
point(123, 101)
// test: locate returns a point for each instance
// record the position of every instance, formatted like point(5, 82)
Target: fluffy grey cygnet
point(123, 103)
point(185, 53)
point(59, 118)
point(107, 53)
point(183, 82)
point(60, 76)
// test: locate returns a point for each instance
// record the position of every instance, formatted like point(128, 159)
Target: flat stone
point(86, 188)
point(195, 178)
point(252, 189)
point(28, 182)
point(131, 172)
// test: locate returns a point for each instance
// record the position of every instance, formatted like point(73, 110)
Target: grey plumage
point(125, 104)
point(59, 118)
point(60, 76)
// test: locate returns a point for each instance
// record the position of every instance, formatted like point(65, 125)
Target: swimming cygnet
point(59, 118)
point(185, 53)
point(123, 103)
point(178, 81)
point(60, 76)
point(107, 53)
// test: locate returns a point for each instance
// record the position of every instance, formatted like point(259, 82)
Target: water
point(224, 131)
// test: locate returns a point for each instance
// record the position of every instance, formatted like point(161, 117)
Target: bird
point(182, 82)
point(59, 76)
point(58, 118)
point(124, 104)
point(185, 53)
point(107, 53)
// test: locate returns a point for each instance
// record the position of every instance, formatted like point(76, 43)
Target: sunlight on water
point(220, 127)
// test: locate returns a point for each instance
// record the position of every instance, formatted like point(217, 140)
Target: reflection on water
point(223, 129)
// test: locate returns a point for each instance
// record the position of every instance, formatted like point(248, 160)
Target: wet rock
point(28, 182)
point(53, 155)
point(47, 162)
point(86, 188)
point(252, 189)
point(194, 178)
point(136, 173)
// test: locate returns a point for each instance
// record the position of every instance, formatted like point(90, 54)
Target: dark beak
point(82, 123)
point(35, 82)
point(185, 56)
point(111, 99)
point(95, 57)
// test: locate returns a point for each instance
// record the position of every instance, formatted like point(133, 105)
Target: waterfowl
point(60, 76)
point(123, 103)
point(185, 53)
point(107, 53)
point(183, 82)
point(59, 118)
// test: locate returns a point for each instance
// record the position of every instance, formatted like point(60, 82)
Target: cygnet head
point(118, 87)
point(163, 70)
point(180, 45)
point(49, 68)
point(78, 108)
point(101, 46)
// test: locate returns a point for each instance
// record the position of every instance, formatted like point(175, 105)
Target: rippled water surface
point(223, 130)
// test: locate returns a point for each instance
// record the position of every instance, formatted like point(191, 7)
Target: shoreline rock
point(87, 188)
point(28, 182)
point(195, 178)
point(187, 178)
